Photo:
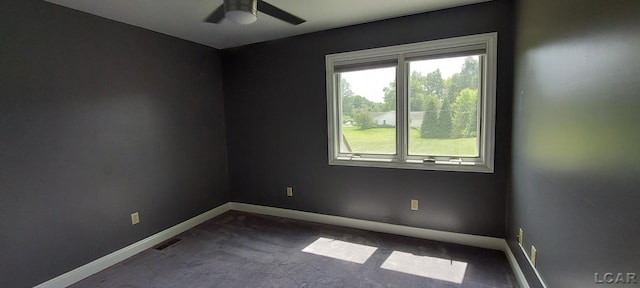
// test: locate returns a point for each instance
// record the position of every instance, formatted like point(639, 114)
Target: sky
point(370, 83)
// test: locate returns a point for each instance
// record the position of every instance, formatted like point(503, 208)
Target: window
point(428, 105)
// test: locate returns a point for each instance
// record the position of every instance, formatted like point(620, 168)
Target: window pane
point(368, 116)
point(444, 105)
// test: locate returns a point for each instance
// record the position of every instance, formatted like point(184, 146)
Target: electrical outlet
point(290, 191)
point(135, 218)
point(534, 255)
point(414, 205)
point(521, 237)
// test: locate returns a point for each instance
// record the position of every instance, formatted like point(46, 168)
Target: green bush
point(364, 120)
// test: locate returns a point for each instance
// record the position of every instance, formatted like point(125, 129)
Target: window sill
point(414, 165)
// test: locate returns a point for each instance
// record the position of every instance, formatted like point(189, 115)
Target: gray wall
point(277, 129)
point(575, 157)
point(98, 120)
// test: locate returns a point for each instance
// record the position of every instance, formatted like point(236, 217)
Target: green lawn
point(382, 141)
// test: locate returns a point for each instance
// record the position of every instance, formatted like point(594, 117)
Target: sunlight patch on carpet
point(342, 250)
point(426, 266)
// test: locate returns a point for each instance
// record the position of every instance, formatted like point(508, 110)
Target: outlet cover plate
point(521, 237)
point(414, 205)
point(135, 218)
point(534, 255)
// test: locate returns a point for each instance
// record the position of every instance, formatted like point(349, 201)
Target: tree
point(465, 114)
point(377, 107)
point(417, 102)
point(417, 91)
point(347, 106)
point(429, 121)
point(434, 84)
point(390, 97)
point(361, 103)
point(444, 126)
point(364, 120)
point(466, 78)
point(352, 104)
point(345, 88)
point(346, 95)
point(421, 88)
point(470, 72)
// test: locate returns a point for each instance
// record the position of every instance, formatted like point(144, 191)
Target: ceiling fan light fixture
point(241, 11)
point(241, 17)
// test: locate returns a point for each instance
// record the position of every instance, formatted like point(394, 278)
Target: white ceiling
point(184, 18)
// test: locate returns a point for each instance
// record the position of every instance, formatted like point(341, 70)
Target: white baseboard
point(522, 281)
point(450, 237)
point(107, 261)
point(533, 267)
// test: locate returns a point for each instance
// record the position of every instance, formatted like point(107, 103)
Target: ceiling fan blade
point(216, 16)
point(276, 12)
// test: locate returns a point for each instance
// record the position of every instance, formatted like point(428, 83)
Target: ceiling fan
point(246, 12)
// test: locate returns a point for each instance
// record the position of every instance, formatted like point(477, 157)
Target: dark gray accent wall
point(576, 164)
point(98, 120)
point(276, 106)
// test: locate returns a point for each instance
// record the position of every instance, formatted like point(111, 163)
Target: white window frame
point(484, 163)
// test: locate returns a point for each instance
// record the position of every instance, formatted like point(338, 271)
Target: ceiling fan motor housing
point(241, 11)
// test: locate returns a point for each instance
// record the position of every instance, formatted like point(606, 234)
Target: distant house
point(384, 118)
point(389, 118)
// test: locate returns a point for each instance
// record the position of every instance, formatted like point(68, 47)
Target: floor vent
point(167, 243)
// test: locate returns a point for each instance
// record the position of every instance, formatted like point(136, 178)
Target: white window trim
point(483, 164)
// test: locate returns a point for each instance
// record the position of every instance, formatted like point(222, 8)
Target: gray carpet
point(245, 250)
